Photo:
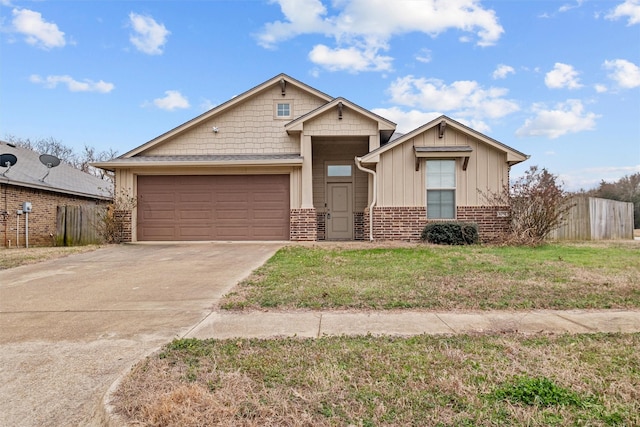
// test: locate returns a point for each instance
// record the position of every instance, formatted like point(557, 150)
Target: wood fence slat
point(77, 225)
point(592, 218)
point(61, 219)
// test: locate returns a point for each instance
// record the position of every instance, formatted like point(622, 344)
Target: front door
point(340, 211)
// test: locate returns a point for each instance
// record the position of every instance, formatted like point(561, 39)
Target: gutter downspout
point(375, 194)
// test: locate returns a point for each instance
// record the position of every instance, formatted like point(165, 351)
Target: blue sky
point(558, 80)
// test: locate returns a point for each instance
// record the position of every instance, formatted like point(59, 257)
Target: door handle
point(328, 215)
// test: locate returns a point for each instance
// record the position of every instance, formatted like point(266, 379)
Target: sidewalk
point(406, 323)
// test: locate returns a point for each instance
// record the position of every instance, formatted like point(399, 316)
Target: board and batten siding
point(402, 185)
point(247, 128)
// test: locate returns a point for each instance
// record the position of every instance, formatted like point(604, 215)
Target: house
point(31, 192)
point(285, 161)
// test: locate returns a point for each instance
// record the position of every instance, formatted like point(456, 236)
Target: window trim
point(276, 110)
point(452, 189)
point(341, 178)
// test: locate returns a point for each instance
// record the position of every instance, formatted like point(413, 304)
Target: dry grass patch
point(10, 258)
point(389, 381)
point(558, 276)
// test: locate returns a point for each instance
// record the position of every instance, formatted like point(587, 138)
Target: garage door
point(220, 207)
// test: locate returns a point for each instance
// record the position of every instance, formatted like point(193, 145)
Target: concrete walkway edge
point(406, 323)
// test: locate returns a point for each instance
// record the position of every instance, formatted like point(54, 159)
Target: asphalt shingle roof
point(29, 172)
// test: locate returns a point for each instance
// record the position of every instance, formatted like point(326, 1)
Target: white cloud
point(502, 71)
point(172, 101)
point(585, 179)
point(149, 37)
point(625, 73)
point(424, 56)
point(562, 76)
point(364, 27)
point(406, 120)
point(567, 7)
point(463, 98)
point(73, 85)
point(565, 117)
point(601, 88)
point(36, 30)
point(349, 59)
point(302, 17)
point(207, 105)
point(629, 9)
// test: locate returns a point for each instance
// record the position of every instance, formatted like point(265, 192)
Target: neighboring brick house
point(26, 182)
point(284, 161)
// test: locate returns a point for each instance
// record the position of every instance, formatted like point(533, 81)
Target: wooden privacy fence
point(78, 225)
point(592, 218)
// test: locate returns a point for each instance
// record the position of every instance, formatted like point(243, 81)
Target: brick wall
point(303, 225)
point(124, 218)
point(490, 225)
point(406, 223)
point(396, 223)
point(321, 218)
point(42, 219)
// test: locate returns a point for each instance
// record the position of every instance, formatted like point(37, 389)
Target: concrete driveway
point(69, 327)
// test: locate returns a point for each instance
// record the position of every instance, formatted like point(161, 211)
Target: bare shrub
point(114, 219)
point(537, 204)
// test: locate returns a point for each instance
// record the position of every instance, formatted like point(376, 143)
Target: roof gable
point(339, 104)
point(513, 156)
point(281, 80)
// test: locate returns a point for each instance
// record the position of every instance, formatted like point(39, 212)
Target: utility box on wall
point(26, 207)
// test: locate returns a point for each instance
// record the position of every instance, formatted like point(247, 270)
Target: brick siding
point(321, 217)
point(390, 223)
point(303, 225)
point(490, 225)
point(124, 218)
point(406, 223)
point(396, 223)
point(42, 219)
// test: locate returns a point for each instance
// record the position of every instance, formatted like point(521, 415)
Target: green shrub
point(450, 233)
point(538, 391)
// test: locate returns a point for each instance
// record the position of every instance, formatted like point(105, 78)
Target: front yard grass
point(15, 257)
point(553, 276)
point(467, 380)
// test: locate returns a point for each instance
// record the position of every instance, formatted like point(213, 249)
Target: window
point(339, 170)
point(441, 189)
point(283, 110)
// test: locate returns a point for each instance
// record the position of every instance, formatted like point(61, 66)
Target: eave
point(200, 161)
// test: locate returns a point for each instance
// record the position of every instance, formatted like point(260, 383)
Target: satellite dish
point(7, 160)
point(49, 161)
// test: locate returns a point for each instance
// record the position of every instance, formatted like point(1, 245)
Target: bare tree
point(90, 155)
point(67, 154)
point(537, 203)
point(626, 189)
